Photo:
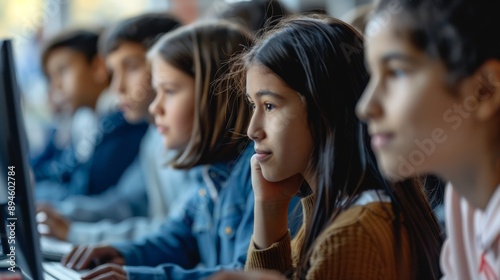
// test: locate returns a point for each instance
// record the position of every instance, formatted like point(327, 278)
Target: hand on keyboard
point(107, 271)
point(51, 223)
point(83, 257)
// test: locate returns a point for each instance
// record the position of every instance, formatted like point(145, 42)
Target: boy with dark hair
point(100, 144)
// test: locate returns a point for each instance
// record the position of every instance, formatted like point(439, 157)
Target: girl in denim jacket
point(204, 121)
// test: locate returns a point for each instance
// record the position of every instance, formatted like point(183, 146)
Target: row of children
point(430, 104)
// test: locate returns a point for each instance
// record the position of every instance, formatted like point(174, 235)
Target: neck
point(477, 180)
point(97, 91)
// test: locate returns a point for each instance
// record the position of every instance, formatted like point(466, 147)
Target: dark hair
point(254, 15)
point(461, 33)
point(203, 51)
point(322, 59)
point(80, 40)
point(144, 29)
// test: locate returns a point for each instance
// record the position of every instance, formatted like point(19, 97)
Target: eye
point(397, 73)
point(167, 91)
point(269, 106)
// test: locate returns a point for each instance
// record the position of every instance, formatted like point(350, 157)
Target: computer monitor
point(16, 186)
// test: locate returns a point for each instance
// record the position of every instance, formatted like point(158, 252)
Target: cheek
point(70, 84)
point(181, 112)
point(138, 87)
point(408, 108)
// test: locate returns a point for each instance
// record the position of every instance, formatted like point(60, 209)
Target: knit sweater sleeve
point(276, 257)
point(346, 253)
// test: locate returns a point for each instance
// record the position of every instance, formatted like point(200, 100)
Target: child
point(433, 105)
point(148, 191)
point(303, 87)
point(204, 122)
point(100, 149)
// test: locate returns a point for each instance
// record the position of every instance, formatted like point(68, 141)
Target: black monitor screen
point(18, 213)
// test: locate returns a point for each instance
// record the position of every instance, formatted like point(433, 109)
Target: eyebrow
point(262, 93)
point(132, 59)
point(397, 56)
point(166, 84)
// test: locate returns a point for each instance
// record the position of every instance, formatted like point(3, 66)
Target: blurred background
point(30, 22)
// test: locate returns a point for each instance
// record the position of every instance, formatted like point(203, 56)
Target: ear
point(487, 93)
point(100, 72)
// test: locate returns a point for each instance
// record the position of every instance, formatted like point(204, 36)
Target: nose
point(156, 107)
point(118, 83)
point(255, 129)
point(368, 106)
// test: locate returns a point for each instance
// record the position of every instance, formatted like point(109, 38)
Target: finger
point(75, 258)
point(67, 258)
point(86, 258)
point(106, 270)
point(41, 216)
point(256, 169)
point(254, 163)
point(44, 229)
point(110, 276)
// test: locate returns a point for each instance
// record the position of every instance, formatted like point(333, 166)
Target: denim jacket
point(211, 233)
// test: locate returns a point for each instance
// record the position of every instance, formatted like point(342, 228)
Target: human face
point(131, 80)
point(70, 76)
point(173, 106)
point(279, 125)
point(418, 124)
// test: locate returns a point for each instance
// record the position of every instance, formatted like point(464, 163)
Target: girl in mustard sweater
point(303, 80)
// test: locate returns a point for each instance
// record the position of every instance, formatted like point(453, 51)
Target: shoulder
point(357, 238)
point(360, 228)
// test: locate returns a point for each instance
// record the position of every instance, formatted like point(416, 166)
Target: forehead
point(126, 50)
point(164, 72)
point(260, 77)
point(389, 35)
point(64, 55)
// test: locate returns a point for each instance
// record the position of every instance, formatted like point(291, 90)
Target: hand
point(83, 257)
point(51, 223)
point(260, 275)
point(269, 192)
point(107, 271)
point(272, 200)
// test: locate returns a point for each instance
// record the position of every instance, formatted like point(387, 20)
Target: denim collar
point(215, 175)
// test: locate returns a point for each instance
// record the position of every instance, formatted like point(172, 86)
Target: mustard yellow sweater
point(358, 245)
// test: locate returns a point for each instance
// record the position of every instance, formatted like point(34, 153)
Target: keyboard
point(56, 271)
point(53, 249)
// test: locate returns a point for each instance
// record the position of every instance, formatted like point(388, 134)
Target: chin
point(271, 176)
point(131, 117)
point(394, 172)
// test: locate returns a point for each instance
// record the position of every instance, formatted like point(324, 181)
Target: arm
point(127, 199)
point(277, 257)
point(131, 228)
point(235, 257)
point(172, 243)
point(107, 231)
point(270, 246)
point(347, 253)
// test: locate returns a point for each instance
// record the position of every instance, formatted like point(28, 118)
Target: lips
point(161, 129)
point(262, 155)
point(381, 140)
point(124, 106)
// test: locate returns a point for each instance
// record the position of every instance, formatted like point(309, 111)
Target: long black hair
point(322, 59)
